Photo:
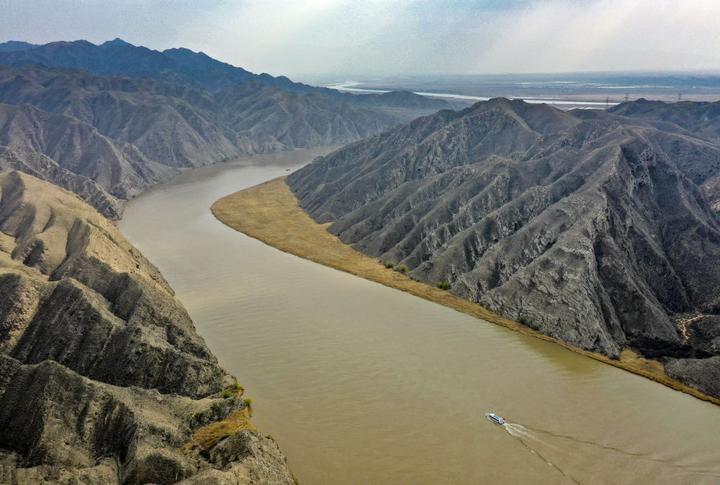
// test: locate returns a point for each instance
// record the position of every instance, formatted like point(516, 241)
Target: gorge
point(591, 233)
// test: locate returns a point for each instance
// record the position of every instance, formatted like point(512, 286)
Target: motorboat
point(495, 418)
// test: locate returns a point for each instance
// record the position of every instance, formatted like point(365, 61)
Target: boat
point(495, 418)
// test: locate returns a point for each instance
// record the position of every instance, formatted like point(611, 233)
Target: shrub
point(401, 268)
point(388, 264)
point(444, 285)
point(234, 390)
point(248, 402)
point(522, 319)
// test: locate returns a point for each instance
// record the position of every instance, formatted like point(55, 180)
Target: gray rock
point(102, 376)
point(109, 138)
point(594, 228)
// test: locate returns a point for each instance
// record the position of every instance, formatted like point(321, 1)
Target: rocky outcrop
point(593, 228)
point(102, 376)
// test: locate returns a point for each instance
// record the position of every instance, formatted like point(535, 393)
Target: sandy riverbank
point(270, 213)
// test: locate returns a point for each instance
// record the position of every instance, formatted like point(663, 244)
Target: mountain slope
point(595, 229)
point(93, 340)
point(146, 114)
point(120, 135)
point(74, 155)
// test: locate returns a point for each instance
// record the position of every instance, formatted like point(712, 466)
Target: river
point(360, 383)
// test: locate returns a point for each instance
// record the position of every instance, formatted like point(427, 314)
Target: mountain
point(184, 67)
point(74, 155)
point(117, 57)
point(15, 45)
point(108, 138)
point(595, 228)
point(103, 378)
point(700, 118)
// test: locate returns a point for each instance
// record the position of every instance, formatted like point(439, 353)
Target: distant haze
point(394, 37)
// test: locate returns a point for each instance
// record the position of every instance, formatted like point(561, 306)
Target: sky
point(394, 37)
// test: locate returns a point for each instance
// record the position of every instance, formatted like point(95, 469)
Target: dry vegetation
point(207, 436)
point(270, 213)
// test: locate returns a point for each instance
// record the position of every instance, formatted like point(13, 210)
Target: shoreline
point(270, 213)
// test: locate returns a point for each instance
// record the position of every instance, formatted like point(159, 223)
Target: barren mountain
point(108, 138)
point(132, 116)
point(102, 375)
point(74, 155)
point(593, 228)
point(182, 67)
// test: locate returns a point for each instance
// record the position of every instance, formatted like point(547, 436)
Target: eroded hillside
point(593, 228)
point(93, 341)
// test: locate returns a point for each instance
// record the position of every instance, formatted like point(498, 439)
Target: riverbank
point(270, 213)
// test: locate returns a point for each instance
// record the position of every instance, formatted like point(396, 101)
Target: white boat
point(495, 418)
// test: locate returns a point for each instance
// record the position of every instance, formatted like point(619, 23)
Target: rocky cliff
point(102, 376)
point(595, 228)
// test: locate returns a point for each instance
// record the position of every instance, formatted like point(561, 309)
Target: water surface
point(360, 383)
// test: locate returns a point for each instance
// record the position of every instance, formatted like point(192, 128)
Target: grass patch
point(235, 390)
point(443, 285)
point(207, 436)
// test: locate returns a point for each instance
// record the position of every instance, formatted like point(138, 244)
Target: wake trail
point(522, 434)
point(530, 433)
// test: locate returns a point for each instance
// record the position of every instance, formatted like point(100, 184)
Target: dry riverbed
point(270, 213)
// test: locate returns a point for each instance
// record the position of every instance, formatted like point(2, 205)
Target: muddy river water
point(360, 383)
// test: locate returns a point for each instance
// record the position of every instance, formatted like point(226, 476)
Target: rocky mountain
point(181, 66)
point(599, 229)
point(74, 155)
point(15, 45)
point(117, 57)
point(103, 378)
point(699, 118)
point(112, 119)
point(108, 138)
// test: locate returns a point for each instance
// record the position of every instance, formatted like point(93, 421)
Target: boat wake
point(543, 443)
point(527, 438)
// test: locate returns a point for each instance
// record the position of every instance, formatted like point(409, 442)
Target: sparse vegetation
point(401, 268)
point(388, 264)
point(270, 212)
point(444, 285)
point(207, 436)
point(235, 390)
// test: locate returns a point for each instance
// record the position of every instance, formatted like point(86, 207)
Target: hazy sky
point(389, 37)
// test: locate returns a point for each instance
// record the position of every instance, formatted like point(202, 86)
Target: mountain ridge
point(175, 65)
point(93, 341)
point(156, 128)
point(589, 231)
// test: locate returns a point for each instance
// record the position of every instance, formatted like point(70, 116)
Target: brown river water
point(361, 384)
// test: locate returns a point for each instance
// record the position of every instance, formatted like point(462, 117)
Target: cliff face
point(102, 375)
point(594, 228)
